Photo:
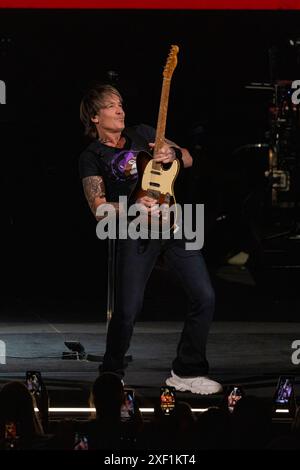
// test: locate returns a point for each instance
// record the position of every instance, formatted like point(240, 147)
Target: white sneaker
point(201, 385)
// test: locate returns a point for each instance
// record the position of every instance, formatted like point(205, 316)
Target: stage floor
point(251, 354)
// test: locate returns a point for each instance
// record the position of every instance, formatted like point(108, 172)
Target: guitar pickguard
point(162, 180)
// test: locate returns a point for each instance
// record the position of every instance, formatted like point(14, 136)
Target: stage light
point(58, 410)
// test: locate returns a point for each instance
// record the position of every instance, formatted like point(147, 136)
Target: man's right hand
point(150, 204)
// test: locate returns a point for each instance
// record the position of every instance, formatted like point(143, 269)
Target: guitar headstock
point(171, 62)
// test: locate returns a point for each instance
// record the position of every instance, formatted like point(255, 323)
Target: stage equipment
point(283, 140)
point(111, 292)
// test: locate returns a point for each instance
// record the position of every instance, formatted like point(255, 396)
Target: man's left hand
point(166, 153)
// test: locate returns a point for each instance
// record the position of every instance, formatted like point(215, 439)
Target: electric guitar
point(156, 180)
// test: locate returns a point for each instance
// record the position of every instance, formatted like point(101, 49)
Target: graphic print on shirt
point(123, 166)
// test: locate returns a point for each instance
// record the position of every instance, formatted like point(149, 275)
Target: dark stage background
point(50, 253)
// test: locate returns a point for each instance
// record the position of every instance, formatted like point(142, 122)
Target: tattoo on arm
point(94, 189)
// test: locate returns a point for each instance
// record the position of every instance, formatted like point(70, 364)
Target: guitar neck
point(162, 115)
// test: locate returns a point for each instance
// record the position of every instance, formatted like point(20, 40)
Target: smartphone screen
point(235, 394)
point(127, 409)
point(167, 399)
point(10, 431)
point(81, 442)
point(34, 382)
point(284, 390)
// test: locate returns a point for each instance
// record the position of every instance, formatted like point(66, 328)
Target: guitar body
point(157, 181)
point(160, 185)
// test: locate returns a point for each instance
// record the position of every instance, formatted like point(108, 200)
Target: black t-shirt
point(116, 166)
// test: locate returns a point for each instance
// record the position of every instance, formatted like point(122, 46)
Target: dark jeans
point(135, 261)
